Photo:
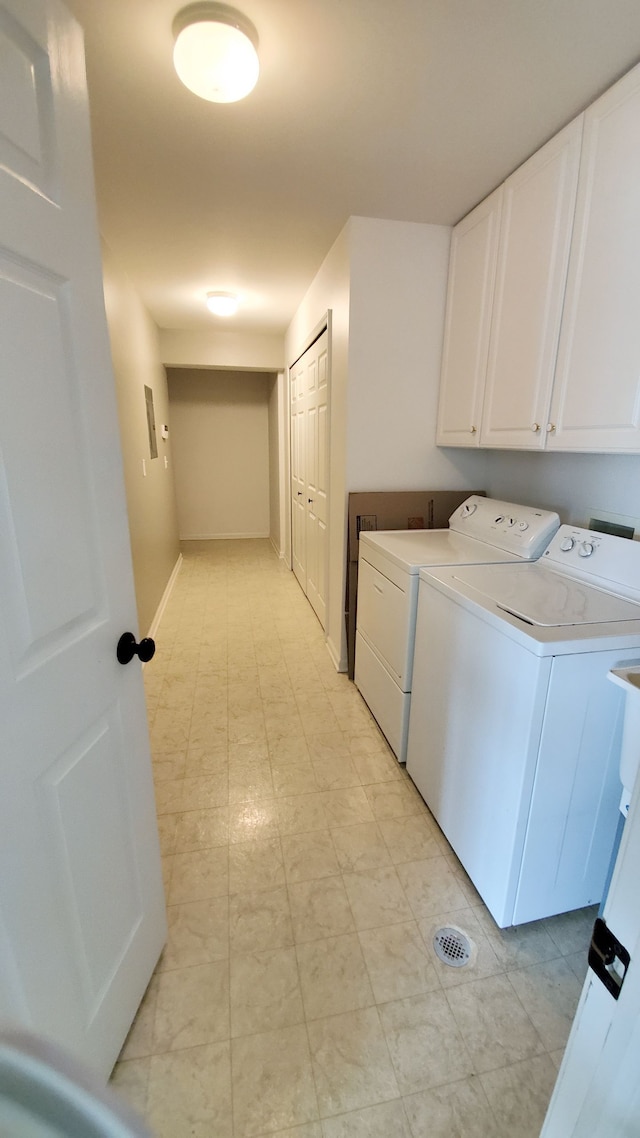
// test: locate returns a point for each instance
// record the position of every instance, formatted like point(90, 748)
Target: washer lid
point(546, 599)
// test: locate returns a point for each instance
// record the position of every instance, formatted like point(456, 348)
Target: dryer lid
point(412, 550)
point(480, 530)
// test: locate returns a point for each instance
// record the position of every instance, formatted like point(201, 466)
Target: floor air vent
point(452, 947)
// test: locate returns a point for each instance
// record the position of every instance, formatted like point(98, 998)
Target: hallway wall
point(220, 435)
point(213, 348)
point(151, 505)
point(385, 284)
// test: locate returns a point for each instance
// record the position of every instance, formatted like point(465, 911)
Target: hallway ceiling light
point(222, 303)
point(215, 53)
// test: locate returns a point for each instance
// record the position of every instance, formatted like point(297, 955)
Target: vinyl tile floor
point(299, 994)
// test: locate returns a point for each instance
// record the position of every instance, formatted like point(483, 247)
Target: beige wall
point(220, 433)
point(230, 350)
point(398, 292)
point(151, 504)
point(577, 486)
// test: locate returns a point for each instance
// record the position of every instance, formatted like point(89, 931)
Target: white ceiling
point(410, 110)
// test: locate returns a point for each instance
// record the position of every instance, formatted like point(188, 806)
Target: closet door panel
point(309, 388)
point(298, 476)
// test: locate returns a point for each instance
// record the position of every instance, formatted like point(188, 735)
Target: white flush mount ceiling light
point(215, 53)
point(222, 303)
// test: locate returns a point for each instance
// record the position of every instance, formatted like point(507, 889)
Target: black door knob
point(127, 648)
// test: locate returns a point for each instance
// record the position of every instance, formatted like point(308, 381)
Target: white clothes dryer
point(481, 530)
point(514, 735)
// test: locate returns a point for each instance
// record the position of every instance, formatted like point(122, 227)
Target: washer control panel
point(613, 562)
point(584, 547)
point(522, 530)
point(571, 542)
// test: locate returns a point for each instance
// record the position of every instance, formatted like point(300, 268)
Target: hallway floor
point(299, 994)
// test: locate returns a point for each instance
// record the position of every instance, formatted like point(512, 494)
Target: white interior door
point(81, 901)
point(309, 472)
point(597, 1094)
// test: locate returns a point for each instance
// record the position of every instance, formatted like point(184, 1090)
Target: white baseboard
point(278, 552)
point(339, 664)
point(221, 536)
point(165, 597)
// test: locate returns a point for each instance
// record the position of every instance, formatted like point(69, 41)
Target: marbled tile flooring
point(299, 994)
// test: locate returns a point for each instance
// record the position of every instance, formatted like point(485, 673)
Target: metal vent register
point(452, 947)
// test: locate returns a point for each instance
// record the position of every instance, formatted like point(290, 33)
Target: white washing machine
point(481, 530)
point(514, 735)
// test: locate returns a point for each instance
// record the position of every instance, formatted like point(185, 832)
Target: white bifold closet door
point(309, 379)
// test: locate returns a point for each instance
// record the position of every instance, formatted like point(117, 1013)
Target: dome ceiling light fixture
point(215, 53)
point(222, 303)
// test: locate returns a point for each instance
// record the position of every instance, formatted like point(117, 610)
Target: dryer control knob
point(586, 549)
point(566, 544)
point(522, 526)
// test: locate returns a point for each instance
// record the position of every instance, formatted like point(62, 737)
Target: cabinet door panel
point(596, 400)
point(472, 268)
point(535, 235)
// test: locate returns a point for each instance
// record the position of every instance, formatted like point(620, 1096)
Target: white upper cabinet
point(596, 399)
point(472, 270)
point(535, 235)
point(542, 334)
